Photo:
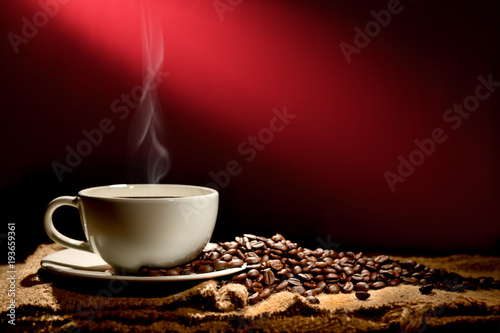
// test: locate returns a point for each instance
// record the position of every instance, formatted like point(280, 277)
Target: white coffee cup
point(131, 226)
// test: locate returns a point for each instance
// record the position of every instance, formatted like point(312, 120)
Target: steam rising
point(149, 156)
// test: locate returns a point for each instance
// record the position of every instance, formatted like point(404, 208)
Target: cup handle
point(56, 235)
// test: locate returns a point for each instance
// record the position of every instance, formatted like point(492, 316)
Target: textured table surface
point(45, 302)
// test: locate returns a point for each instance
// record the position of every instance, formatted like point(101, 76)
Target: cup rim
point(88, 192)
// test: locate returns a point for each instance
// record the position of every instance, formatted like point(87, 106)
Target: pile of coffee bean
point(276, 264)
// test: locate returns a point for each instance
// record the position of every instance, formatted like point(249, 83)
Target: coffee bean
point(188, 270)
point(240, 277)
point(282, 285)
point(253, 299)
point(257, 244)
point(294, 282)
point(276, 264)
point(296, 270)
point(269, 277)
point(204, 269)
point(265, 293)
point(252, 260)
point(253, 273)
point(333, 289)
point(214, 255)
point(394, 282)
point(337, 267)
point(280, 264)
point(362, 295)
point(280, 247)
point(332, 276)
point(312, 300)
point(362, 286)
point(426, 289)
point(348, 287)
point(357, 278)
point(320, 286)
point(248, 283)
point(299, 289)
point(329, 270)
point(378, 285)
point(235, 263)
point(305, 276)
point(257, 286)
point(309, 284)
point(310, 292)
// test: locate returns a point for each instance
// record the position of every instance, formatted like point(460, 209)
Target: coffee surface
point(149, 197)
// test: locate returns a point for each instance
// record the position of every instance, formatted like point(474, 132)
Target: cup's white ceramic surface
point(131, 226)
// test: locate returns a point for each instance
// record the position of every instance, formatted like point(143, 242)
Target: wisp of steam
point(150, 159)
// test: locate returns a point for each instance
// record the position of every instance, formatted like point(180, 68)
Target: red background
point(324, 173)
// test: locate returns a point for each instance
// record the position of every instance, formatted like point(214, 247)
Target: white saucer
point(82, 264)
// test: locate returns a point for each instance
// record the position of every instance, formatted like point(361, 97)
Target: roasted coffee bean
point(310, 292)
point(319, 278)
point(357, 278)
point(204, 269)
point(294, 282)
point(282, 285)
point(321, 264)
point(312, 299)
point(253, 273)
point(257, 244)
point(337, 267)
point(252, 260)
point(333, 288)
point(382, 259)
point(235, 263)
point(299, 289)
point(305, 276)
point(378, 285)
point(332, 276)
point(256, 266)
point(268, 277)
point(276, 264)
point(257, 286)
point(316, 271)
point(188, 270)
point(265, 293)
point(248, 283)
point(214, 256)
point(309, 284)
point(240, 277)
point(362, 295)
point(280, 247)
point(320, 286)
point(254, 298)
point(348, 287)
point(280, 264)
point(394, 282)
point(426, 289)
point(362, 286)
point(296, 270)
point(308, 268)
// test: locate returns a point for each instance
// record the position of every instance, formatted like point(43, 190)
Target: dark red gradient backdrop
point(229, 67)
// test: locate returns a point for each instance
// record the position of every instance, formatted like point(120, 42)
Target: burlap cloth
point(47, 303)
